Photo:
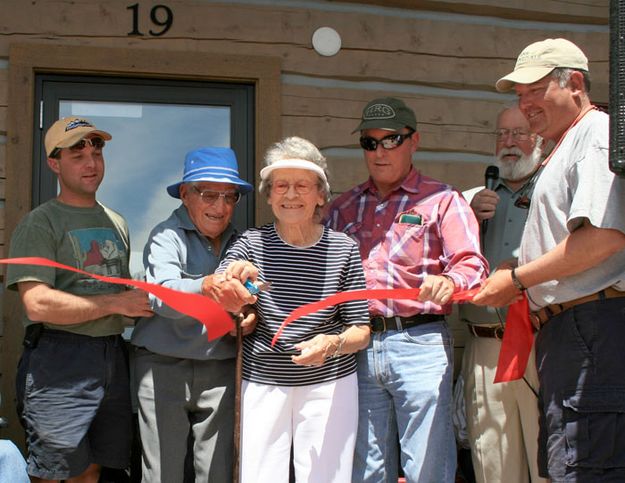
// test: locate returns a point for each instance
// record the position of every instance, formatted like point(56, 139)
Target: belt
point(382, 324)
point(489, 332)
point(542, 316)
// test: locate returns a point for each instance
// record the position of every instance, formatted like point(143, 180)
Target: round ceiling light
point(326, 41)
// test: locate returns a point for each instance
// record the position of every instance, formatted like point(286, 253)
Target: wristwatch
point(516, 282)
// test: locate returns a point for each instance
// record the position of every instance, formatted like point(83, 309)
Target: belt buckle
point(498, 332)
point(377, 323)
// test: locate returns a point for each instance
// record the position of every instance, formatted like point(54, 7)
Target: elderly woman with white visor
point(302, 391)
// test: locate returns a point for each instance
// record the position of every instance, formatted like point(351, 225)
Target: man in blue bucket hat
point(185, 384)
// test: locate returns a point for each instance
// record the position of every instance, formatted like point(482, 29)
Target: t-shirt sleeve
point(31, 240)
point(596, 193)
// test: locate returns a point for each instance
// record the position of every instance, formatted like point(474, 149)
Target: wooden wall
point(441, 56)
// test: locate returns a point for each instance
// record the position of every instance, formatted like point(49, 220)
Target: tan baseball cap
point(68, 131)
point(539, 59)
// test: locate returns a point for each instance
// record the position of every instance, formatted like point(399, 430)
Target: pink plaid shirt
point(440, 238)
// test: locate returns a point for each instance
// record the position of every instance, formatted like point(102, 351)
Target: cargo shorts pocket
point(594, 426)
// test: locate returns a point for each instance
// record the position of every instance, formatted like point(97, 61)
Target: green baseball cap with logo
point(387, 113)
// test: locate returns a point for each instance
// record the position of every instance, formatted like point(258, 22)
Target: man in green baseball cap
point(413, 232)
point(387, 113)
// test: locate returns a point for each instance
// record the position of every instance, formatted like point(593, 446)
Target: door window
point(151, 136)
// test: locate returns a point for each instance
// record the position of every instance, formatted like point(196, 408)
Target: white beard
point(520, 169)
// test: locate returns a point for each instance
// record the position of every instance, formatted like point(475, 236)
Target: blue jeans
point(405, 394)
point(12, 464)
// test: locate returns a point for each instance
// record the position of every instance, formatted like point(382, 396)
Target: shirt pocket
point(408, 241)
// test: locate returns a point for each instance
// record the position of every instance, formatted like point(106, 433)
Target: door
point(153, 123)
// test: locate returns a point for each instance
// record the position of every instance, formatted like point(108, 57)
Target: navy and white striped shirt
point(298, 275)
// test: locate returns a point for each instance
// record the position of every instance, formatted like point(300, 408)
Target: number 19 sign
point(160, 15)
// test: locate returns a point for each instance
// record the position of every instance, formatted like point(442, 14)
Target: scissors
point(255, 288)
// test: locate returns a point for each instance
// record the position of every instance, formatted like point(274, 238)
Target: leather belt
point(489, 332)
point(382, 324)
point(542, 316)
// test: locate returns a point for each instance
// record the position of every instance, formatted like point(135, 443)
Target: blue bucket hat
point(218, 165)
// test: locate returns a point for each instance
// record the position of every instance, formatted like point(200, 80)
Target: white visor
point(293, 163)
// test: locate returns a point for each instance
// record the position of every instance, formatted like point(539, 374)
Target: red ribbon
point(517, 340)
point(374, 294)
point(516, 344)
point(515, 349)
point(208, 312)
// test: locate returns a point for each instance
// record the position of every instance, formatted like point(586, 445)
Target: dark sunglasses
point(391, 141)
point(97, 143)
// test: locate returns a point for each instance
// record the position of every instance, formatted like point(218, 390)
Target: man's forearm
point(583, 249)
point(44, 304)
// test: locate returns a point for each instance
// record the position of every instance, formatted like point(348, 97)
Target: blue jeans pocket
point(594, 427)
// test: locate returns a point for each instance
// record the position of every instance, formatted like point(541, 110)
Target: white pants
point(320, 420)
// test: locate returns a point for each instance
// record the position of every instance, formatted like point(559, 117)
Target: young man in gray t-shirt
point(72, 380)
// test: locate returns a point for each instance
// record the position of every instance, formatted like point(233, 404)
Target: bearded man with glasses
point(72, 382)
point(502, 419)
point(413, 232)
point(185, 385)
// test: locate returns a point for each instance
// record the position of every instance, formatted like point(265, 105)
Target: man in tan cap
point(572, 265)
point(72, 380)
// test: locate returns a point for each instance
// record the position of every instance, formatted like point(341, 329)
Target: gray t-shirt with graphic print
point(91, 239)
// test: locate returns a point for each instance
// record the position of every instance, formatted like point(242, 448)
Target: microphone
point(490, 178)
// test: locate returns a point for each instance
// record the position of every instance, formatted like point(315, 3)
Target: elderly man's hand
point(230, 293)
point(437, 289)
point(497, 290)
point(484, 204)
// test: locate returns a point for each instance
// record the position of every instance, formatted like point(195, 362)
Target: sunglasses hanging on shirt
point(525, 195)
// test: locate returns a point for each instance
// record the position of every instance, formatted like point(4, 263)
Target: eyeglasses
point(210, 197)
point(517, 134)
point(300, 187)
point(391, 141)
point(97, 143)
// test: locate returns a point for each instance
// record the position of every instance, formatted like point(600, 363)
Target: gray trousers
point(182, 398)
